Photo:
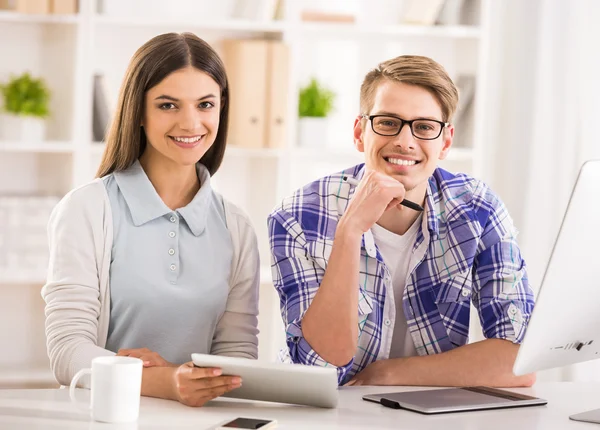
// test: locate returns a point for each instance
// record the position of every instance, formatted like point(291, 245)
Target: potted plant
point(315, 103)
point(25, 109)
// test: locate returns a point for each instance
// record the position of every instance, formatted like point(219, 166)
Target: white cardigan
point(77, 292)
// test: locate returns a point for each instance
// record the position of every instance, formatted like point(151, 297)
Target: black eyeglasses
point(424, 129)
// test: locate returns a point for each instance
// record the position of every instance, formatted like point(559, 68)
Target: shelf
point(453, 32)
point(36, 376)
point(223, 25)
point(8, 16)
point(59, 147)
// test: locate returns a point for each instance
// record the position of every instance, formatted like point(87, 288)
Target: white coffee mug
point(116, 388)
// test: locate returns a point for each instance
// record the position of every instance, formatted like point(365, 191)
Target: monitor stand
point(588, 417)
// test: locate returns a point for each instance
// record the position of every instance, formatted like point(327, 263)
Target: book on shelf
point(257, 73)
point(63, 7)
point(26, 6)
point(450, 13)
point(322, 16)
point(459, 12)
point(278, 62)
point(258, 10)
point(421, 12)
point(60, 7)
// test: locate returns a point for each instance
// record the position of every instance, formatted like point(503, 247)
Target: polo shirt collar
point(145, 204)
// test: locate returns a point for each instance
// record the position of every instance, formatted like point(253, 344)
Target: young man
point(383, 291)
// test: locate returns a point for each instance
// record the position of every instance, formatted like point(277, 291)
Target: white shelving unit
point(68, 50)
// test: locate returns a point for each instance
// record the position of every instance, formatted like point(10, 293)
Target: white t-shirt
point(397, 254)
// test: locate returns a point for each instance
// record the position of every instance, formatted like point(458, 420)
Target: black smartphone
point(248, 423)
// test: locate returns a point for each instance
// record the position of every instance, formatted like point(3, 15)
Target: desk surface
point(51, 409)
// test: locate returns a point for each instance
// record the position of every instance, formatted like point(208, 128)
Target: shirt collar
point(195, 213)
point(146, 205)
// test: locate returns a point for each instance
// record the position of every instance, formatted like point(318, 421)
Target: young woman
point(148, 260)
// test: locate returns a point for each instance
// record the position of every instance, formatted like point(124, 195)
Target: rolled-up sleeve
point(296, 276)
point(502, 296)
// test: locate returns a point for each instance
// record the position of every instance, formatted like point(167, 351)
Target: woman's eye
point(206, 105)
point(167, 106)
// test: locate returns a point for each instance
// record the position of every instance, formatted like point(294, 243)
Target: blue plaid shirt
point(471, 256)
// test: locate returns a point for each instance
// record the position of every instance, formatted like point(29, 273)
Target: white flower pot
point(22, 128)
point(313, 132)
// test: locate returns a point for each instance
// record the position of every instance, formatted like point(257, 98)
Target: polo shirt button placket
point(173, 268)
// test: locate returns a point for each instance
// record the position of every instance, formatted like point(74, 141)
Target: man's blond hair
point(414, 70)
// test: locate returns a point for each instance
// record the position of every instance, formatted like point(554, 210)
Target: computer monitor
point(565, 323)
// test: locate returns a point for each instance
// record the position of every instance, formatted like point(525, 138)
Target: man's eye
point(424, 127)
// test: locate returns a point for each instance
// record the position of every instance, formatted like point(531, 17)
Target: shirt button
point(465, 293)
point(512, 310)
point(171, 251)
point(172, 267)
point(172, 219)
point(387, 322)
point(171, 234)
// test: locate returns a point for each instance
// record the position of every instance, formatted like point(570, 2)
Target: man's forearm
point(330, 324)
point(487, 363)
point(159, 382)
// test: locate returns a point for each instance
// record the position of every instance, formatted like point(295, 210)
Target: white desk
point(51, 409)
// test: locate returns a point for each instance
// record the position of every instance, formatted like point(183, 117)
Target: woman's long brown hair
point(154, 61)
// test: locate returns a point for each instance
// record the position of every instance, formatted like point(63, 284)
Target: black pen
point(404, 202)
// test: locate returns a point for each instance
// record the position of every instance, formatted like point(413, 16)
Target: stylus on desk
point(407, 203)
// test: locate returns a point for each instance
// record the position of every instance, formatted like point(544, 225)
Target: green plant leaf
point(27, 96)
point(315, 100)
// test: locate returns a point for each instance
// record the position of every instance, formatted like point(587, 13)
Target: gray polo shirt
point(169, 271)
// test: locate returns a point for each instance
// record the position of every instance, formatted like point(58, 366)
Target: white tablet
point(277, 382)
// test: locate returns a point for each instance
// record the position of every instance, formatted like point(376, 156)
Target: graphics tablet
point(454, 400)
point(277, 382)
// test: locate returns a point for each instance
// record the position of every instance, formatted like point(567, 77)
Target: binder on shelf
point(63, 7)
point(320, 16)
point(246, 65)
point(261, 10)
point(422, 12)
point(459, 12)
point(32, 6)
point(278, 60)
point(450, 13)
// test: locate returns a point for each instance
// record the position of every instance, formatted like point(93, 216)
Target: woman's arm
point(72, 291)
point(236, 333)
